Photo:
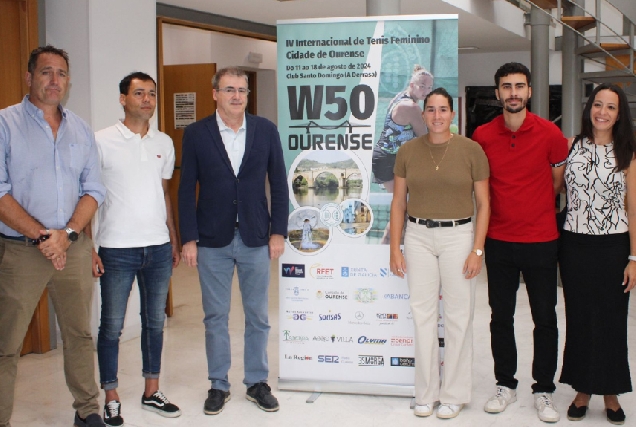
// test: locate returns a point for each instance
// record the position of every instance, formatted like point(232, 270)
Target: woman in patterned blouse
point(598, 244)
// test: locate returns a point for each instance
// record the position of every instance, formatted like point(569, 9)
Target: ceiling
point(473, 30)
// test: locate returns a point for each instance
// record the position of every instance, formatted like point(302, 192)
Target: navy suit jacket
point(222, 195)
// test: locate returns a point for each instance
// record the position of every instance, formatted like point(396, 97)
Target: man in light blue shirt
point(50, 188)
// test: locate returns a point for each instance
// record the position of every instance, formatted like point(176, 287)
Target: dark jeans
point(538, 263)
point(152, 265)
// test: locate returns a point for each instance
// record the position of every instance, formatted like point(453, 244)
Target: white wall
point(628, 7)
point(67, 25)
point(266, 104)
point(184, 45)
point(105, 39)
point(122, 40)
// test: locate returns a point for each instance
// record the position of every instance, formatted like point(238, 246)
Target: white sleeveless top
point(596, 193)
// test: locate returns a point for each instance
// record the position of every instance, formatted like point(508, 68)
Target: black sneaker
point(215, 401)
point(261, 394)
point(112, 414)
point(93, 420)
point(160, 404)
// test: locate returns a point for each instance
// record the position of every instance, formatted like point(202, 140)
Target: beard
point(518, 109)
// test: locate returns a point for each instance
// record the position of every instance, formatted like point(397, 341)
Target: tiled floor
point(42, 398)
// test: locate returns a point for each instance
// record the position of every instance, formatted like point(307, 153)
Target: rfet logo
point(318, 271)
point(294, 270)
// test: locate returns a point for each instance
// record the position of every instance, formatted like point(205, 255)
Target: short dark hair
point(124, 84)
point(227, 71)
point(440, 91)
point(622, 132)
point(35, 54)
point(512, 68)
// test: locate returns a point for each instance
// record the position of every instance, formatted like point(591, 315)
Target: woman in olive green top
point(440, 172)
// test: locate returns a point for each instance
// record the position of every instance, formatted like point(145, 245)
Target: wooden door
point(189, 78)
point(181, 79)
point(19, 35)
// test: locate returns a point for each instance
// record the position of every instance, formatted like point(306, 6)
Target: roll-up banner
point(345, 320)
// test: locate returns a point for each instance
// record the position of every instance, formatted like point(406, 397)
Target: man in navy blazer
point(230, 154)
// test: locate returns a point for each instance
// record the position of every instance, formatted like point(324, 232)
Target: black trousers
point(538, 263)
point(595, 359)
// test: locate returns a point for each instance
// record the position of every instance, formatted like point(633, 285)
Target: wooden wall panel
point(11, 52)
point(19, 35)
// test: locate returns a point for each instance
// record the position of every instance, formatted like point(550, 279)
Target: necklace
point(440, 162)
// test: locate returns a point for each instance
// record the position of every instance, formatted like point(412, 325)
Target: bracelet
point(36, 242)
point(632, 257)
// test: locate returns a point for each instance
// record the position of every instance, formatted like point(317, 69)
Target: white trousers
point(434, 260)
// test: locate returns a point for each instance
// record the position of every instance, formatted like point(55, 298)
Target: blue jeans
point(152, 265)
point(216, 269)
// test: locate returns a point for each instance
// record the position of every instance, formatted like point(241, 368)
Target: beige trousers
point(434, 260)
point(24, 272)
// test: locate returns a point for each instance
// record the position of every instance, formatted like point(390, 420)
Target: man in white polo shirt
point(136, 238)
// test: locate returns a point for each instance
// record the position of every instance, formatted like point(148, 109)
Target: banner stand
point(345, 323)
point(345, 387)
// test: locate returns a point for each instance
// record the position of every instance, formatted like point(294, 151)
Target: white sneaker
point(546, 409)
point(498, 403)
point(448, 410)
point(424, 410)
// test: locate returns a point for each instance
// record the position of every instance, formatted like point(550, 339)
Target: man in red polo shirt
point(526, 155)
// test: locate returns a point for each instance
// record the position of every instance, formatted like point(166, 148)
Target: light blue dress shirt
point(47, 177)
point(234, 142)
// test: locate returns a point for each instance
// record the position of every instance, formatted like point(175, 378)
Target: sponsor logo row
point(360, 295)
point(362, 359)
point(357, 318)
point(399, 341)
point(320, 272)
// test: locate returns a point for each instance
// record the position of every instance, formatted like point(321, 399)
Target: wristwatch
point(72, 234)
point(478, 252)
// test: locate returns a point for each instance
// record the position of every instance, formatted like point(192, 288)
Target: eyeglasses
point(232, 90)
